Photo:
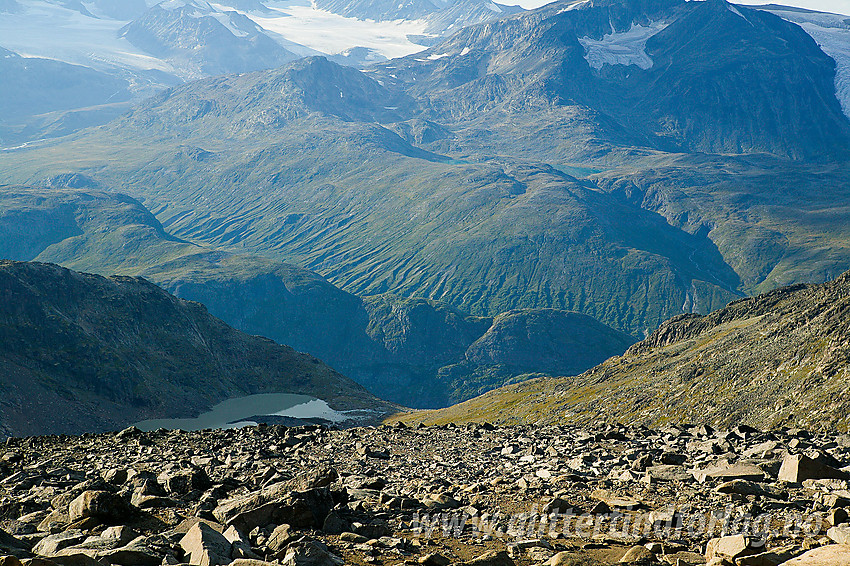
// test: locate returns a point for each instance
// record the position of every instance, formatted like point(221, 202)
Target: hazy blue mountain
point(9, 6)
point(149, 46)
point(204, 41)
point(443, 16)
point(39, 93)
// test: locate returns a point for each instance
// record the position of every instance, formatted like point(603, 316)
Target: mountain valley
point(85, 353)
point(527, 197)
point(416, 352)
point(421, 283)
point(380, 182)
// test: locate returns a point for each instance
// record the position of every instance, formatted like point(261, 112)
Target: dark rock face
point(539, 339)
point(500, 496)
point(72, 341)
point(747, 81)
point(710, 78)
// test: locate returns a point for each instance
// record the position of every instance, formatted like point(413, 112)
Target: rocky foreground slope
point(81, 352)
point(779, 359)
point(474, 495)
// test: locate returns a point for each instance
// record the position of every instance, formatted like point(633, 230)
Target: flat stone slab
point(729, 472)
point(832, 555)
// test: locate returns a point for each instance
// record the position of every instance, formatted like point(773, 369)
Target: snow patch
point(574, 6)
point(50, 31)
point(224, 20)
point(621, 48)
point(836, 44)
point(738, 13)
point(735, 11)
point(435, 56)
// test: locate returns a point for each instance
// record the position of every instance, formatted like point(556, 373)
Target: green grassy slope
point(484, 237)
point(779, 359)
point(500, 170)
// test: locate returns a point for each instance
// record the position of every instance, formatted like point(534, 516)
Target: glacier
point(832, 33)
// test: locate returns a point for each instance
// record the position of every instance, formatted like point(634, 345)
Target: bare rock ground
point(476, 495)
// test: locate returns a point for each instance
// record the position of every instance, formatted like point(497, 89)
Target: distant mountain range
point(145, 46)
point(529, 195)
point(130, 49)
point(778, 359)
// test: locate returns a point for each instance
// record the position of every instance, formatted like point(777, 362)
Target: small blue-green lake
point(237, 412)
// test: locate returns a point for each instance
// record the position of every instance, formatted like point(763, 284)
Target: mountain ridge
point(503, 169)
point(81, 353)
point(778, 359)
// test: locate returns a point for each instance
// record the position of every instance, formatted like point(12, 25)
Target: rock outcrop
point(778, 359)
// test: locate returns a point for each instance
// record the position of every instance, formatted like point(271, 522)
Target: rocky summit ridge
point(475, 495)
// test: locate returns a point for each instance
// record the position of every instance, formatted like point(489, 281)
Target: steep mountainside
point(416, 352)
point(832, 34)
point(670, 75)
point(779, 359)
point(773, 224)
point(81, 352)
point(534, 162)
point(535, 338)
